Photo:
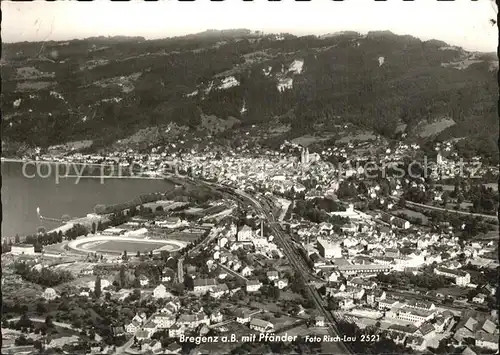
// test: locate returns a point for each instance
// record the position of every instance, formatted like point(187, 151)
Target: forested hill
point(107, 88)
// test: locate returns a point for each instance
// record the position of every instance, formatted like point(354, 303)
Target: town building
point(163, 320)
point(355, 269)
point(160, 292)
point(329, 250)
point(202, 286)
point(253, 285)
point(411, 315)
point(22, 249)
point(243, 316)
point(461, 278)
point(245, 234)
point(49, 294)
point(261, 325)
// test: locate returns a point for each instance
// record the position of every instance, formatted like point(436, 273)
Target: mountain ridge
point(107, 89)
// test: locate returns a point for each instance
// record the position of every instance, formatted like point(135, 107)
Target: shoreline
point(19, 160)
point(169, 179)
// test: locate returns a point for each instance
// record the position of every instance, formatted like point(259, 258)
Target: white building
point(253, 285)
point(416, 316)
point(160, 292)
point(202, 286)
point(461, 278)
point(104, 283)
point(329, 250)
point(20, 249)
point(163, 321)
point(261, 325)
point(49, 294)
point(245, 234)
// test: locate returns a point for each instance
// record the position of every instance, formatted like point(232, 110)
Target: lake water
point(22, 195)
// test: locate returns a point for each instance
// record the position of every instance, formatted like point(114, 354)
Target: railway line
point(299, 265)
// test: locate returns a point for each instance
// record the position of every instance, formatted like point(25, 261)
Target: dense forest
point(106, 89)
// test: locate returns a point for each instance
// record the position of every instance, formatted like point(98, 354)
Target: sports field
point(119, 246)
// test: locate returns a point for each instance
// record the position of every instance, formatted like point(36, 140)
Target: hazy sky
point(461, 22)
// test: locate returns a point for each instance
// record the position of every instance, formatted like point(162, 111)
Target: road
point(232, 272)
point(421, 205)
point(125, 348)
point(301, 268)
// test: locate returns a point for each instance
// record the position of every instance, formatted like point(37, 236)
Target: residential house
point(416, 343)
point(380, 295)
point(281, 283)
point(319, 321)
point(173, 348)
point(104, 284)
point(118, 331)
point(245, 234)
point(489, 327)
point(398, 338)
point(273, 275)
point(49, 294)
point(243, 316)
point(142, 335)
point(88, 270)
point(400, 223)
point(143, 280)
point(253, 285)
point(486, 340)
point(387, 303)
point(403, 329)
point(347, 303)
point(362, 283)
point(332, 276)
point(192, 321)
point(216, 317)
point(479, 298)
point(468, 351)
point(246, 271)
point(176, 331)
point(461, 278)
point(160, 292)
point(423, 305)
point(202, 286)
point(132, 327)
point(261, 325)
point(167, 275)
point(153, 346)
point(426, 331)
point(219, 291)
point(150, 327)
point(163, 320)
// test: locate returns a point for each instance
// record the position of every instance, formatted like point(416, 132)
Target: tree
point(164, 255)
point(122, 277)
point(37, 344)
point(17, 239)
point(41, 308)
point(94, 227)
point(48, 321)
point(97, 287)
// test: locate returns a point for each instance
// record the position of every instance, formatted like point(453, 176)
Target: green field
point(118, 246)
